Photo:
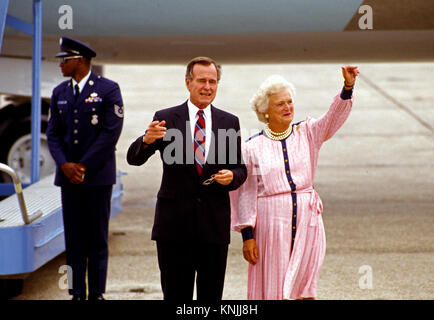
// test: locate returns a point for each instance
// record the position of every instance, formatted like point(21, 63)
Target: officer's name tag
point(62, 102)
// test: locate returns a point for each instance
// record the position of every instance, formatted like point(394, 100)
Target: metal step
point(42, 195)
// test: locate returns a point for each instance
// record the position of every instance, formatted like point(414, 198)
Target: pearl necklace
point(277, 135)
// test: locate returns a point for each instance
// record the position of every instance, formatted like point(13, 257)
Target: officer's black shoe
point(78, 297)
point(96, 297)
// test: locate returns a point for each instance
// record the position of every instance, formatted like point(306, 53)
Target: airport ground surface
point(375, 178)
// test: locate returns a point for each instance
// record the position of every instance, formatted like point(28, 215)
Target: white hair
point(273, 84)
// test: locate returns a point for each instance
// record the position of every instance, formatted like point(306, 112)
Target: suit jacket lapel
point(69, 93)
point(183, 124)
point(87, 90)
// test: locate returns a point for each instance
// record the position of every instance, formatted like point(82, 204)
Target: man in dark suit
point(86, 117)
point(192, 214)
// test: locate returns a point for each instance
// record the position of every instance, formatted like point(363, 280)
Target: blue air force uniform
point(85, 130)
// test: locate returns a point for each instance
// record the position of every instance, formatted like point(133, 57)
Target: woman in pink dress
point(277, 210)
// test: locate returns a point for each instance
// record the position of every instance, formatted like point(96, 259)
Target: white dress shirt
point(81, 84)
point(192, 112)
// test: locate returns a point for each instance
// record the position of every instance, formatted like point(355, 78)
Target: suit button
point(75, 141)
point(75, 131)
point(75, 120)
point(75, 110)
point(199, 200)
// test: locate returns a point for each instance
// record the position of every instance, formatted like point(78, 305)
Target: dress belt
point(315, 204)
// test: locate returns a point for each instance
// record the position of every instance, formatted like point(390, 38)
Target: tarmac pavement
point(374, 177)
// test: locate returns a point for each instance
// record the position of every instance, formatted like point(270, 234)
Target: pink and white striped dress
point(279, 202)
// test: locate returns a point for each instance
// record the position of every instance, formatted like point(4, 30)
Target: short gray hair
point(206, 61)
point(273, 84)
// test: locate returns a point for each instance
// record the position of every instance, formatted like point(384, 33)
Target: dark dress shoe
point(96, 297)
point(78, 297)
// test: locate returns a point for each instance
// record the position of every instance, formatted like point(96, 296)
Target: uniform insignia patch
point(119, 111)
point(94, 120)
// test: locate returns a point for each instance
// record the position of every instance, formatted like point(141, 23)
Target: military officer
point(86, 117)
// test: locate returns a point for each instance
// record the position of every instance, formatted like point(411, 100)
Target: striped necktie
point(199, 142)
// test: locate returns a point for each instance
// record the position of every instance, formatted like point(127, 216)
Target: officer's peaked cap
point(71, 47)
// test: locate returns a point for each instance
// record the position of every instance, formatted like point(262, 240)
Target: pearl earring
point(266, 116)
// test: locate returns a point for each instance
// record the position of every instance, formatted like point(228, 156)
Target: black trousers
point(180, 263)
point(86, 214)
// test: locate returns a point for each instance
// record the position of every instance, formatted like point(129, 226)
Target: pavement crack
point(397, 103)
